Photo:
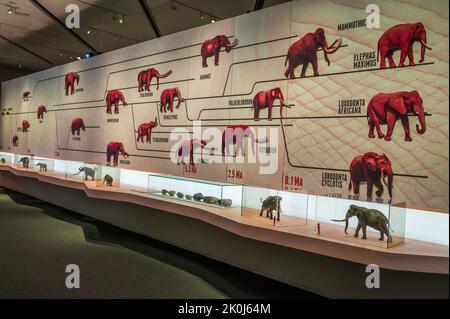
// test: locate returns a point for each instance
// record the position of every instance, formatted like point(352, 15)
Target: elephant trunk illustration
point(180, 99)
point(423, 42)
point(282, 104)
point(423, 125)
point(390, 175)
point(77, 77)
point(229, 47)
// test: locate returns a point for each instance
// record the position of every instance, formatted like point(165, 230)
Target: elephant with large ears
point(71, 77)
point(402, 37)
point(389, 107)
point(167, 98)
point(145, 130)
point(304, 51)
point(25, 126)
point(367, 217)
point(212, 47)
point(113, 98)
point(265, 99)
point(77, 125)
point(113, 150)
point(371, 168)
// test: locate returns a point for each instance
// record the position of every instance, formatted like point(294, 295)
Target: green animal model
point(198, 197)
point(211, 200)
point(88, 172)
point(270, 204)
point(108, 180)
point(180, 195)
point(189, 197)
point(367, 217)
point(225, 202)
point(25, 162)
point(172, 193)
point(165, 192)
point(42, 167)
point(3, 160)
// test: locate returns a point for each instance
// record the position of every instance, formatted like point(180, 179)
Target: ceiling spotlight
point(120, 18)
point(61, 54)
point(202, 15)
point(117, 38)
point(78, 58)
point(20, 66)
point(11, 10)
point(88, 31)
point(213, 20)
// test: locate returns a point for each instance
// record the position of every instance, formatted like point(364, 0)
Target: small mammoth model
point(77, 125)
point(402, 37)
point(180, 195)
point(371, 168)
point(172, 193)
point(211, 200)
point(40, 112)
point(42, 167)
point(113, 150)
point(367, 217)
point(225, 202)
point(108, 180)
point(189, 197)
point(165, 192)
point(389, 107)
point(145, 78)
point(25, 162)
point(168, 97)
point(145, 130)
point(213, 46)
point(304, 51)
point(270, 204)
point(198, 197)
point(113, 98)
point(25, 126)
point(2, 160)
point(265, 99)
point(15, 140)
point(88, 172)
point(69, 84)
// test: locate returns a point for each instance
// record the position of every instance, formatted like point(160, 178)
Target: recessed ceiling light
point(78, 58)
point(213, 20)
point(202, 15)
point(10, 10)
point(120, 18)
point(88, 31)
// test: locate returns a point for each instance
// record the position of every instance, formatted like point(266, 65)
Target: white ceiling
point(40, 34)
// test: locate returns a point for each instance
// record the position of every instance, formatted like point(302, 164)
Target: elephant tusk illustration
point(331, 49)
point(425, 45)
point(339, 220)
point(235, 43)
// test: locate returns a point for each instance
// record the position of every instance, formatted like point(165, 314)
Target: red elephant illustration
point(189, 147)
point(114, 149)
point(25, 126)
point(15, 140)
point(26, 94)
point(77, 125)
point(304, 51)
point(71, 77)
point(145, 78)
point(234, 134)
point(145, 129)
point(40, 112)
point(386, 108)
point(212, 47)
point(113, 98)
point(167, 98)
point(371, 168)
point(402, 37)
point(265, 99)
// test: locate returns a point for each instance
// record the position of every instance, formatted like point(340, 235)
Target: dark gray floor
point(38, 240)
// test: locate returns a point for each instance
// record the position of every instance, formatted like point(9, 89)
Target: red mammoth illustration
point(386, 108)
point(26, 94)
point(234, 134)
point(145, 129)
point(371, 168)
point(15, 140)
point(25, 126)
point(77, 125)
point(265, 99)
point(113, 98)
point(167, 98)
point(40, 112)
point(212, 47)
point(189, 147)
point(304, 51)
point(145, 78)
point(113, 150)
point(402, 37)
point(71, 77)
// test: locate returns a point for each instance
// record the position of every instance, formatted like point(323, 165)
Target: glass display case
point(277, 208)
point(6, 158)
point(42, 164)
point(108, 176)
point(82, 171)
point(361, 222)
point(215, 194)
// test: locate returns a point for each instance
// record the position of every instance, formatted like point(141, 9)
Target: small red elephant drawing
point(234, 134)
point(113, 150)
point(304, 51)
point(15, 140)
point(40, 112)
point(71, 77)
point(265, 99)
point(402, 37)
point(213, 46)
point(26, 94)
point(145, 78)
point(145, 130)
point(189, 147)
point(25, 126)
point(113, 98)
point(167, 98)
point(77, 125)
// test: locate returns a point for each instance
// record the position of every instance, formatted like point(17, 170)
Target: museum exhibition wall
point(341, 110)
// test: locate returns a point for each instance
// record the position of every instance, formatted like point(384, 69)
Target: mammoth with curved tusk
point(212, 47)
point(304, 51)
